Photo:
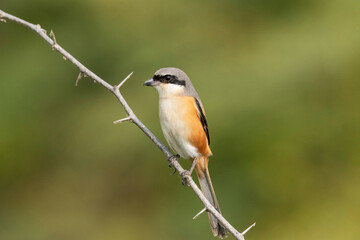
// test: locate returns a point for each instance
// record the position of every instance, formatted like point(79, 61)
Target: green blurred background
point(280, 84)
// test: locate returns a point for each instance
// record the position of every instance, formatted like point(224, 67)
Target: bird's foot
point(187, 173)
point(184, 175)
point(173, 158)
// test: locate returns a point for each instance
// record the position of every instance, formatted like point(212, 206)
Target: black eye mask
point(169, 79)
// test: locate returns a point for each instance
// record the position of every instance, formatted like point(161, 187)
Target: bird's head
point(169, 82)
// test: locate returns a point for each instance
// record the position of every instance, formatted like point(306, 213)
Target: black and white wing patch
point(202, 119)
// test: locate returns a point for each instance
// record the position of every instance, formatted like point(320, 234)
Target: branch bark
point(172, 159)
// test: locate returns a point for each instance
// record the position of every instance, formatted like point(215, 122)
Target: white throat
point(169, 90)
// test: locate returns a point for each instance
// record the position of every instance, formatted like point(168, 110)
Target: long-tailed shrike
point(183, 122)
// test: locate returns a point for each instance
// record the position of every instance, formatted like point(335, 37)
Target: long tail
point(202, 172)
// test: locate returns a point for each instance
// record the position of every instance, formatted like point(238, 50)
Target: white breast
point(174, 129)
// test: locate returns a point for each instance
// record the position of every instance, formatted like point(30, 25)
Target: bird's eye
point(167, 77)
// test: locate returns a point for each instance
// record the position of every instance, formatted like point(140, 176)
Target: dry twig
point(130, 117)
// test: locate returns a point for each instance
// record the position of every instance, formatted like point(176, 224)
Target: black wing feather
point(202, 119)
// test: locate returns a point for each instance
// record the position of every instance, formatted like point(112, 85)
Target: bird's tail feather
point(208, 190)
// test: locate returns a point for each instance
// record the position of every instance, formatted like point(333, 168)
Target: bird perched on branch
point(183, 122)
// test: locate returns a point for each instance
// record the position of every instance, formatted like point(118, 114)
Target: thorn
point(80, 76)
point(78, 79)
point(243, 233)
point(123, 81)
point(52, 35)
point(64, 58)
point(123, 120)
point(199, 213)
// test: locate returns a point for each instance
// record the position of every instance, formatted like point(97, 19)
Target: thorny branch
point(173, 159)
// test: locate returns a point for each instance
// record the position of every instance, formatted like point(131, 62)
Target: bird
point(184, 126)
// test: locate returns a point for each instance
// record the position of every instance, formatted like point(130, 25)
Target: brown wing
point(202, 119)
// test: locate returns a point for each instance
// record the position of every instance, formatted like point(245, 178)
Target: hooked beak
point(151, 83)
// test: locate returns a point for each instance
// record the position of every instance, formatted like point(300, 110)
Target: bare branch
point(131, 116)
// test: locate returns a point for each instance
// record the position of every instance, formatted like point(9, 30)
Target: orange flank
point(197, 135)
